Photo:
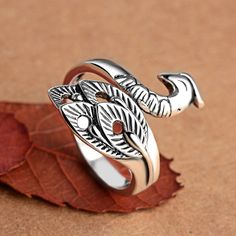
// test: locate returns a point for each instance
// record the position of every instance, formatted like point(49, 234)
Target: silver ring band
point(116, 128)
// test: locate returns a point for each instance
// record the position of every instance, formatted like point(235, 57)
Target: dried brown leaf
point(54, 171)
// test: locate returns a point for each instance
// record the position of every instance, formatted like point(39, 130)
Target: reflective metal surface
point(116, 128)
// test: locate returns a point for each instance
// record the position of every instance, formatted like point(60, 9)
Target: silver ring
point(116, 127)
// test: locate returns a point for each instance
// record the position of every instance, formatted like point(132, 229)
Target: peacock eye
point(83, 122)
point(117, 127)
point(102, 97)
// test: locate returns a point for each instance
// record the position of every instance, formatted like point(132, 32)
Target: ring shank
point(106, 172)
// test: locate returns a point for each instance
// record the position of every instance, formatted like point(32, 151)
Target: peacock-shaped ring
point(116, 127)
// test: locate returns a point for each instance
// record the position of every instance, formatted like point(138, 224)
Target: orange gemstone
point(117, 127)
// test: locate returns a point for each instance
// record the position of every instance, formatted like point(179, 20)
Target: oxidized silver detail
point(108, 113)
point(124, 98)
point(91, 135)
point(92, 88)
point(182, 88)
point(59, 93)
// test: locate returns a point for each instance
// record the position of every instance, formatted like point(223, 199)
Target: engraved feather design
point(124, 103)
point(59, 93)
point(93, 121)
point(73, 112)
point(108, 113)
point(91, 88)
